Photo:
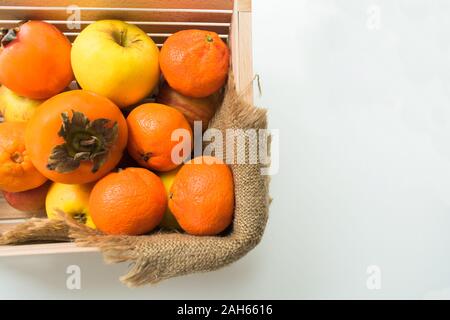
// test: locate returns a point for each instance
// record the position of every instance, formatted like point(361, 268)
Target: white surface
point(363, 109)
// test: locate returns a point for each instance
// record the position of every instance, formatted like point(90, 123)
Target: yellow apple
point(15, 108)
point(116, 60)
point(169, 220)
point(71, 199)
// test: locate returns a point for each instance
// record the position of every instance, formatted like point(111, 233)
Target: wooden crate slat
point(244, 5)
point(137, 14)
point(47, 248)
point(149, 27)
point(158, 38)
point(245, 74)
point(233, 42)
point(187, 4)
point(240, 41)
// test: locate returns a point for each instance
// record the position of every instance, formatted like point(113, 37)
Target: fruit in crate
point(15, 108)
point(129, 202)
point(168, 221)
point(126, 161)
point(69, 199)
point(76, 137)
point(150, 143)
point(194, 109)
point(35, 60)
point(117, 60)
point(32, 200)
point(195, 62)
point(17, 173)
point(202, 196)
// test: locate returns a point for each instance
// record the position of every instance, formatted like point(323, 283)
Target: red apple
point(30, 201)
point(194, 109)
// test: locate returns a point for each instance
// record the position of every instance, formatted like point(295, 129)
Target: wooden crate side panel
point(39, 249)
point(173, 4)
point(243, 5)
point(147, 26)
point(233, 42)
point(138, 14)
point(240, 41)
point(159, 23)
point(158, 38)
point(245, 56)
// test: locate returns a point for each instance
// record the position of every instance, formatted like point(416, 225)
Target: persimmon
point(35, 60)
point(195, 62)
point(17, 173)
point(76, 137)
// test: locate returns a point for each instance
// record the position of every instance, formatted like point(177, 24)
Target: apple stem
point(80, 217)
point(122, 38)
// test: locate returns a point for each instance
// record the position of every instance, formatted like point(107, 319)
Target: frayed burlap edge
point(162, 255)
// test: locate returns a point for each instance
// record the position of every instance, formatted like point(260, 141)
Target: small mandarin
point(195, 62)
point(17, 173)
point(202, 196)
point(129, 202)
point(150, 128)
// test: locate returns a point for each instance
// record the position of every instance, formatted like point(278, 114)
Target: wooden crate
point(231, 19)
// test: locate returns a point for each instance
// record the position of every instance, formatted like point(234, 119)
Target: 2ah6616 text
point(246, 309)
point(224, 310)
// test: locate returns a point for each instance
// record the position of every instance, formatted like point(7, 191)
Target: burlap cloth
point(163, 255)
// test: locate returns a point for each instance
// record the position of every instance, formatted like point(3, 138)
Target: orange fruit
point(195, 62)
point(150, 128)
point(129, 202)
point(202, 196)
point(17, 173)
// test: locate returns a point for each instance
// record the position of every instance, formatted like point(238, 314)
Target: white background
point(360, 92)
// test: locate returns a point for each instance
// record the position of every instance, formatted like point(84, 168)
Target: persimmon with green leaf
point(76, 137)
